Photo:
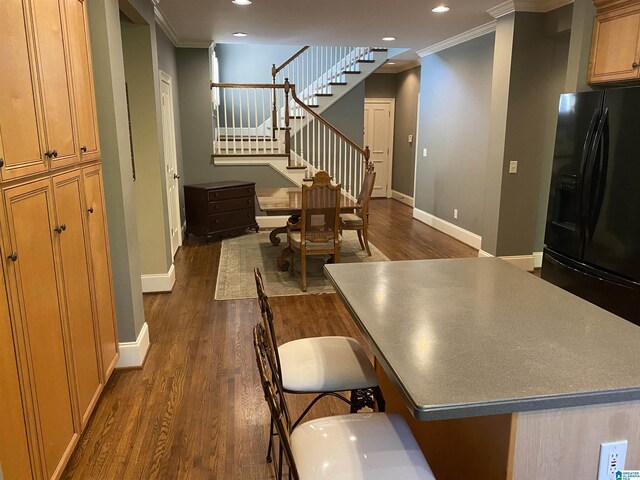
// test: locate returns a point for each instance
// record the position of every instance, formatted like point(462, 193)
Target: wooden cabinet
point(101, 263)
point(37, 298)
point(58, 337)
point(220, 208)
point(615, 50)
point(82, 74)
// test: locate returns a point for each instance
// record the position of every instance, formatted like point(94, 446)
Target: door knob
point(176, 176)
point(13, 257)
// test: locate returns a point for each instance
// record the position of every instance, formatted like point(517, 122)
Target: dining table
point(287, 201)
point(499, 373)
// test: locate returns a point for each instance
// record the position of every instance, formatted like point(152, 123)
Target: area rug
point(241, 254)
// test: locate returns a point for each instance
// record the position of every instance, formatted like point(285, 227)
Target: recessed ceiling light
point(388, 39)
point(239, 34)
point(241, 2)
point(440, 9)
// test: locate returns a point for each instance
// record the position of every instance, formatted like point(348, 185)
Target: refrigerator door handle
point(585, 164)
point(601, 149)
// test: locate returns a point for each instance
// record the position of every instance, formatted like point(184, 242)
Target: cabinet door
point(21, 143)
point(615, 51)
point(55, 82)
point(81, 69)
point(74, 254)
point(101, 263)
point(36, 293)
point(14, 449)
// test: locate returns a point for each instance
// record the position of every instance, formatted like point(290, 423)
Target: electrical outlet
point(410, 138)
point(513, 167)
point(455, 213)
point(612, 458)
point(424, 152)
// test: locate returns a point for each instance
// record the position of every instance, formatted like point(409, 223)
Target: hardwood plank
point(195, 410)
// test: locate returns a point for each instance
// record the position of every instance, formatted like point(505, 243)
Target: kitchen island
point(500, 374)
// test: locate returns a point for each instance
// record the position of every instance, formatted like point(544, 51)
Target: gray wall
point(197, 132)
point(406, 117)
point(381, 85)
point(167, 62)
point(108, 69)
point(580, 46)
point(455, 102)
point(240, 63)
point(347, 114)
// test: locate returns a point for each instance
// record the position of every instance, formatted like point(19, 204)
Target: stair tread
point(379, 49)
point(296, 167)
point(324, 94)
point(313, 106)
point(338, 83)
point(357, 72)
point(366, 61)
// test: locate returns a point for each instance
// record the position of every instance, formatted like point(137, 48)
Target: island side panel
point(565, 443)
point(477, 447)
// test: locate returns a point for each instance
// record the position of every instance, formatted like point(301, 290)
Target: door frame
point(392, 124)
point(166, 78)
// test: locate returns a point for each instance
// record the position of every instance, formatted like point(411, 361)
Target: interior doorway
point(378, 135)
point(170, 161)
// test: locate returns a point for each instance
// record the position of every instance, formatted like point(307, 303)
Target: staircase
point(280, 124)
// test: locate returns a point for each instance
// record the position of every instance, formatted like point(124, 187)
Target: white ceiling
point(324, 22)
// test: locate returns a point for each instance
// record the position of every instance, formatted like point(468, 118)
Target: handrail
point(247, 85)
point(364, 151)
point(275, 70)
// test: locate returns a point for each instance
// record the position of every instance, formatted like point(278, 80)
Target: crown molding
point(458, 39)
point(534, 6)
point(168, 29)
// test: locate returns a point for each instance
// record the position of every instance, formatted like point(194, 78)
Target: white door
point(378, 135)
point(170, 161)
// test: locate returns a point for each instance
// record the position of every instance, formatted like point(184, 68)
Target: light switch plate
point(424, 152)
point(410, 138)
point(513, 167)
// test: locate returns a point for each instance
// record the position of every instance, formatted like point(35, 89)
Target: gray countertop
point(475, 337)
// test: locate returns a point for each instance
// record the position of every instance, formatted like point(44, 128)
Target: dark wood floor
point(196, 410)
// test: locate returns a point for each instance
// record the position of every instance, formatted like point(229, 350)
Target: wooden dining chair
point(359, 220)
point(318, 230)
point(371, 446)
point(322, 366)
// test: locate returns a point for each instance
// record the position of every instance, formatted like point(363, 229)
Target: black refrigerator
point(592, 238)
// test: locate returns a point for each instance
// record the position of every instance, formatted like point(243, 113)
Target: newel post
point(287, 130)
point(274, 109)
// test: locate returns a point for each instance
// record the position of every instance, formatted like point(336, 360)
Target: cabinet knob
point(1, 162)
point(61, 228)
point(51, 153)
point(176, 176)
point(635, 65)
point(90, 209)
point(83, 149)
point(13, 257)
point(55, 153)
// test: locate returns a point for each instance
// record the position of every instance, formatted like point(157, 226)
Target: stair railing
point(241, 121)
point(316, 143)
point(315, 69)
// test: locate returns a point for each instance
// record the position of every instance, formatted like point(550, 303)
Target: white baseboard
point(459, 233)
point(265, 221)
point(133, 354)
point(483, 254)
point(401, 197)
point(524, 262)
point(159, 282)
point(537, 259)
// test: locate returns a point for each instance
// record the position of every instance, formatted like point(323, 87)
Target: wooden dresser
point(220, 208)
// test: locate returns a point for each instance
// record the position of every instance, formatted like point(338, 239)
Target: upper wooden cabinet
point(615, 50)
point(82, 74)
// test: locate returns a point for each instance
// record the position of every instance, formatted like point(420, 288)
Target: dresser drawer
point(230, 205)
point(229, 220)
point(231, 193)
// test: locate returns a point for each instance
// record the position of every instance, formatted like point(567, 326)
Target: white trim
point(458, 39)
point(392, 126)
point(159, 282)
point(169, 31)
point(533, 6)
point(459, 233)
point(133, 354)
point(401, 197)
point(483, 254)
point(415, 160)
point(524, 262)
point(275, 221)
point(537, 259)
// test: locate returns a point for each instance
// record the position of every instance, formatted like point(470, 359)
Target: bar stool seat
point(371, 446)
point(325, 364)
